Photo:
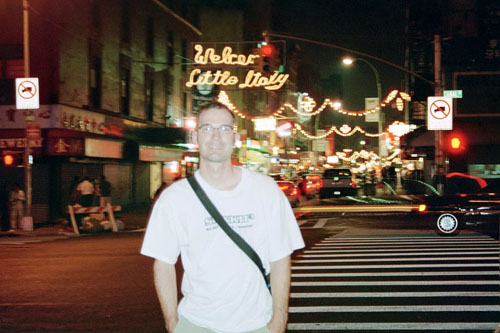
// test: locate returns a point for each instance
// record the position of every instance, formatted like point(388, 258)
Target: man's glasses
point(210, 129)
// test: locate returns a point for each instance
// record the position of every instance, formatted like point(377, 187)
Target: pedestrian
point(223, 290)
point(86, 189)
point(73, 190)
point(104, 188)
point(16, 204)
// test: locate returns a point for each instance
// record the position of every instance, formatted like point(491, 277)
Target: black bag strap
point(237, 239)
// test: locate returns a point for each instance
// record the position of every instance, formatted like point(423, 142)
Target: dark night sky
point(372, 27)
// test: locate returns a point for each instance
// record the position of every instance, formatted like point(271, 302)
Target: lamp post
point(348, 61)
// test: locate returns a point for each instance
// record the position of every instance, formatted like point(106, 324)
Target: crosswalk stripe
point(394, 308)
point(393, 283)
point(398, 294)
point(373, 274)
point(394, 327)
point(300, 261)
point(451, 250)
point(321, 223)
point(403, 254)
point(390, 243)
point(440, 265)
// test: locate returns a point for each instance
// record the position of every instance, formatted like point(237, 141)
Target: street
point(357, 273)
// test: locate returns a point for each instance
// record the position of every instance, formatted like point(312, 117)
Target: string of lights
point(344, 130)
point(366, 155)
point(308, 104)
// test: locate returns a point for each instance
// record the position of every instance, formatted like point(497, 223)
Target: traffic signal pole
point(438, 136)
point(28, 114)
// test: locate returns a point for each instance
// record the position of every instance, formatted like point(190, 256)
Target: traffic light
point(456, 143)
point(267, 52)
point(12, 160)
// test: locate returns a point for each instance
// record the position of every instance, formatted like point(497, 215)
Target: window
point(95, 82)
point(149, 93)
point(125, 24)
point(184, 54)
point(170, 48)
point(124, 84)
point(150, 46)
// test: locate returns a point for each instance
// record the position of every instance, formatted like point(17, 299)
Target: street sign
point(27, 96)
point(370, 103)
point(439, 113)
point(453, 93)
point(33, 132)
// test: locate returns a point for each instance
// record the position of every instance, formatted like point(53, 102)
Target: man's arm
point(166, 288)
point(280, 286)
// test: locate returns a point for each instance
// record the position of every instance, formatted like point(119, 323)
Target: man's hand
point(278, 322)
point(166, 289)
point(280, 286)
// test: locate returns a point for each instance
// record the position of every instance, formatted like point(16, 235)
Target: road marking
point(452, 249)
point(370, 274)
point(321, 223)
point(306, 261)
point(391, 243)
point(440, 265)
point(394, 283)
point(302, 222)
point(394, 327)
point(394, 308)
point(404, 254)
point(398, 294)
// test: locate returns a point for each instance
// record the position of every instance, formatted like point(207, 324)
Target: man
point(86, 189)
point(223, 289)
point(16, 202)
point(104, 191)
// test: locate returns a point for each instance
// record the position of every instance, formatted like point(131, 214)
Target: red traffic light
point(8, 160)
point(456, 143)
point(267, 50)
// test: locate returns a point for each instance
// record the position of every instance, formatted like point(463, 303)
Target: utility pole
point(28, 116)
point(438, 138)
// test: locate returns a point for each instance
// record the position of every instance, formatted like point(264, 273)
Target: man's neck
point(222, 176)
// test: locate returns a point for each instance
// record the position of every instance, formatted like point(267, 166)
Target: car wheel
point(447, 225)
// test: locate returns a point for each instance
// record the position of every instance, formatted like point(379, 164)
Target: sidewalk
point(133, 219)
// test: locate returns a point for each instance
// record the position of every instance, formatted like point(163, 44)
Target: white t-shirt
point(223, 289)
point(85, 187)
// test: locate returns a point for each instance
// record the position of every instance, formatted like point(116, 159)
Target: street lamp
point(349, 61)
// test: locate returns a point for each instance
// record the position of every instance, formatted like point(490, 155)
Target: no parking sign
point(439, 113)
point(27, 96)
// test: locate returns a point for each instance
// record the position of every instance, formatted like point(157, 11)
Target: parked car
point(309, 184)
point(291, 191)
point(450, 213)
point(337, 182)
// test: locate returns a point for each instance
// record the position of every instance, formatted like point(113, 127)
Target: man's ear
point(236, 138)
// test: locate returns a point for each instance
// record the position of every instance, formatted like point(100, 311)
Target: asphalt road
point(357, 273)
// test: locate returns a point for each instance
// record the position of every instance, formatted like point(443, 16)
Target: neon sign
point(253, 79)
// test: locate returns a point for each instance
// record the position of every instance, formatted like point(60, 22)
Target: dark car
point(309, 184)
point(337, 182)
point(451, 213)
point(291, 191)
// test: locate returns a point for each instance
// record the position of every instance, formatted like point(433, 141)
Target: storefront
point(75, 143)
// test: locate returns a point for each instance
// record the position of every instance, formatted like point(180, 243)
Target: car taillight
point(352, 183)
point(320, 182)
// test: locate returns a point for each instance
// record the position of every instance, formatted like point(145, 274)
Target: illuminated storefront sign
point(265, 124)
point(253, 79)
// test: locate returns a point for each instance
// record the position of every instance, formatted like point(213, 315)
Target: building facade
point(112, 97)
